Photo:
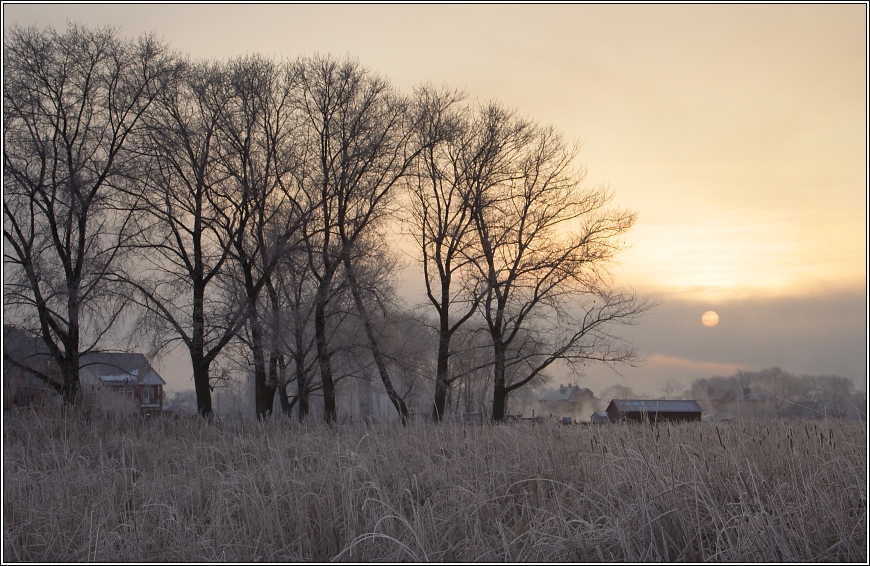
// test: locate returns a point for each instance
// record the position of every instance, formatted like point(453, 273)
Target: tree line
point(781, 394)
point(247, 208)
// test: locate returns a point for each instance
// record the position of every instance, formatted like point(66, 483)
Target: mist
point(805, 335)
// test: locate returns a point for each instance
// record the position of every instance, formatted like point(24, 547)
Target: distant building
point(568, 401)
point(600, 417)
point(127, 375)
point(652, 410)
point(24, 356)
point(106, 377)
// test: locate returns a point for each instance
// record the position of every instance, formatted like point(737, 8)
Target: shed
point(652, 410)
point(600, 417)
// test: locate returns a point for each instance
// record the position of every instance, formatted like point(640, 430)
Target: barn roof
point(656, 406)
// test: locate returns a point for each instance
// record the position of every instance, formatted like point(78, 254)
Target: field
point(170, 491)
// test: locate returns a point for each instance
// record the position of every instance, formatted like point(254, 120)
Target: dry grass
point(168, 491)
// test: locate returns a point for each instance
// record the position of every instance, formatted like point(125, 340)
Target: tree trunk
point(499, 403)
point(201, 384)
point(264, 393)
point(442, 383)
point(286, 404)
point(302, 393)
point(323, 359)
point(272, 380)
point(197, 348)
point(381, 364)
point(500, 392)
point(284, 399)
point(71, 382)
point(71, 385)
point(261, 393)
point(281, 388)
point(277, 363)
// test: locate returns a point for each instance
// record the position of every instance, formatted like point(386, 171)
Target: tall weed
point(174, 491)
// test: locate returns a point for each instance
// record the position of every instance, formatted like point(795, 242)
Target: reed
point(170, 491)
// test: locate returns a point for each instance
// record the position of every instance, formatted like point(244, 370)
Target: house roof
point(655, 406)
point(21, 344)
point(564, 393)
point(119, 367)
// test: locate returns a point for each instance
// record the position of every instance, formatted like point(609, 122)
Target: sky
point(737, 132)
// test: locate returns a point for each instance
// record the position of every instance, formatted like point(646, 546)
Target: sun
point(710, 319)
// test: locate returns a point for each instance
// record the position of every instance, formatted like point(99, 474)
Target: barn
point(652, 410)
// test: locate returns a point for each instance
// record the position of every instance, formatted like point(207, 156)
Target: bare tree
point(71, 104)
point(545, 244)
point(188, 224)
point(835, 395)
point(257, 156)
point(671, 388)
point(618, 391)
point(291, 292)
point(780, 384)
point(471, 368)
point(356, 134)
point(784, 394)
point(456, 156)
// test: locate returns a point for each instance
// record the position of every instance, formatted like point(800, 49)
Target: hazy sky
point(737, 132)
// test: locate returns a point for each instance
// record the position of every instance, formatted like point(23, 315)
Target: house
point(24, 356)
point(127, 375)
point(568, 401)
point(652, 410)
point(124, 375)
point(600, 417)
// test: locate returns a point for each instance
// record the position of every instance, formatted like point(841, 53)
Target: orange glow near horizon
point(717, 254)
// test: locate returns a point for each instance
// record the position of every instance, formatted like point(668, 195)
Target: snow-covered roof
point(23, 346)
point(120, 378)
point(152, 378)
point(120, 367)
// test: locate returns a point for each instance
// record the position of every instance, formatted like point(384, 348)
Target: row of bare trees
point(774, 392)
point(243, 209)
